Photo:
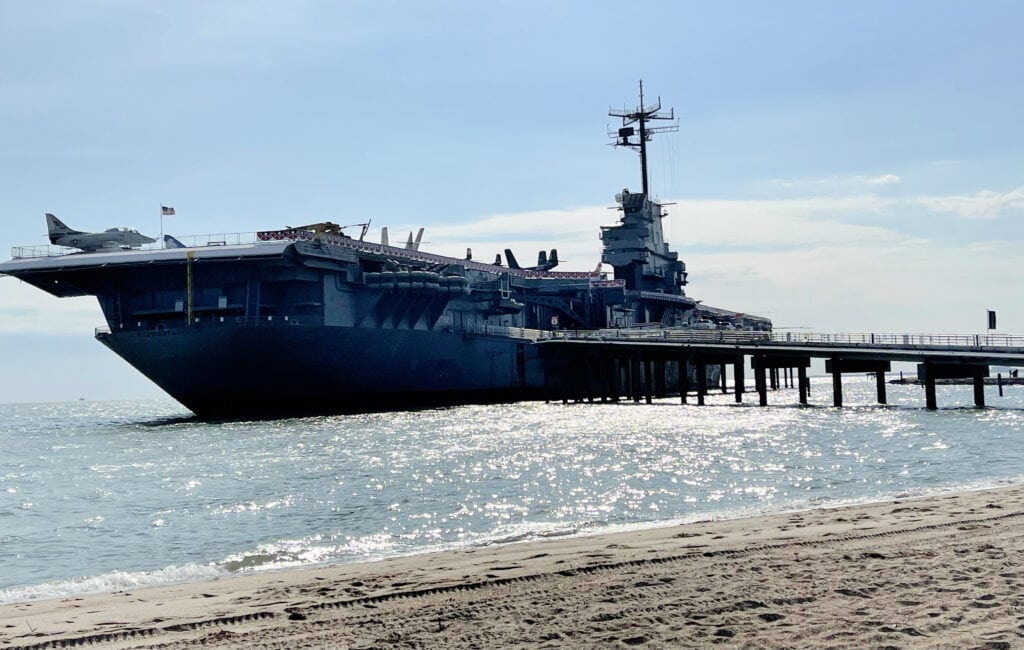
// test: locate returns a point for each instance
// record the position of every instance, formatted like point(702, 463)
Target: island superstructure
point(308, 320)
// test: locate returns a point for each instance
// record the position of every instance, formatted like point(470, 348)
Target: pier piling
point(648, 378)
point(738, 379)
point(838, 365)
point(930, 402)
point(837, 384)
point(702, 382)
point(684, 377)
point(929, 371)
point(635, 385)
point(760, 381)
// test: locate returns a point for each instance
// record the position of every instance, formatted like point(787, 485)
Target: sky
point(846, 166)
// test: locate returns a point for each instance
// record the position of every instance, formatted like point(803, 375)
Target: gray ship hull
point(271, 371)
point(310, 320)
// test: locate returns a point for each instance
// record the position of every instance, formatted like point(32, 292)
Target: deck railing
point(190, 241)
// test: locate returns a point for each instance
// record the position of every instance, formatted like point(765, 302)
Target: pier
point(638, 364)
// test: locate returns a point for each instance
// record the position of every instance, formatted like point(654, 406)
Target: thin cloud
point(837, 182)
point(811, 261)
point(986, 204)
point(884, 179)
point(732, 224)
point(896, 286)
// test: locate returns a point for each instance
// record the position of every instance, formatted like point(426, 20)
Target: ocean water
point(101, 496)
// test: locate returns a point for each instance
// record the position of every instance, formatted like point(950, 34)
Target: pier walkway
point(642, 363)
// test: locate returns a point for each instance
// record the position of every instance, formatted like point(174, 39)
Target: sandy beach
point(943, 571)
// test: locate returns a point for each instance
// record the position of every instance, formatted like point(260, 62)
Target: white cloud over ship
point(827, 262)
point(985, 204)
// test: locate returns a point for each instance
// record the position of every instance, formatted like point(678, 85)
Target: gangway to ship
point(596, 363)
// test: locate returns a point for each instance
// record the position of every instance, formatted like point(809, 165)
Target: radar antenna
point(637, 138)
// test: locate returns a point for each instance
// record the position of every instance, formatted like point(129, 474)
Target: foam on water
point(108, 496)
point(111, 582)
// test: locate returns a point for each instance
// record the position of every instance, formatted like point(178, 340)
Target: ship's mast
point(640, 116)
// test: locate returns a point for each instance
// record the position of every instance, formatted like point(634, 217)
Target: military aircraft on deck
point(545, 262)
point(110, 239)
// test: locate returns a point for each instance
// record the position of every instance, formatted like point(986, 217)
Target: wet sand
point(944, 571)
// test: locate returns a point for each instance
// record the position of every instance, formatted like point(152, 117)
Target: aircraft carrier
point(311, 320)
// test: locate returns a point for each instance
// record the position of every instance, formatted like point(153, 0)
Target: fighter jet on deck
point(111, 239)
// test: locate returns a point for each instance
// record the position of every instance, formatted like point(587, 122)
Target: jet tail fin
point(58, 228)
point(414, 244)
point(511, 259)
point(171, 242)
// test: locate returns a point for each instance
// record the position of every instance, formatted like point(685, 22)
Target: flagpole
point(162, 242)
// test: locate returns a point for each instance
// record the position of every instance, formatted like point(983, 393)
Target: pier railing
point(509, 332)
point(801, 338)
point(728, 336)
point(904, 340)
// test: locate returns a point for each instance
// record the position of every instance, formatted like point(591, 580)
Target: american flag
point(166, 211)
